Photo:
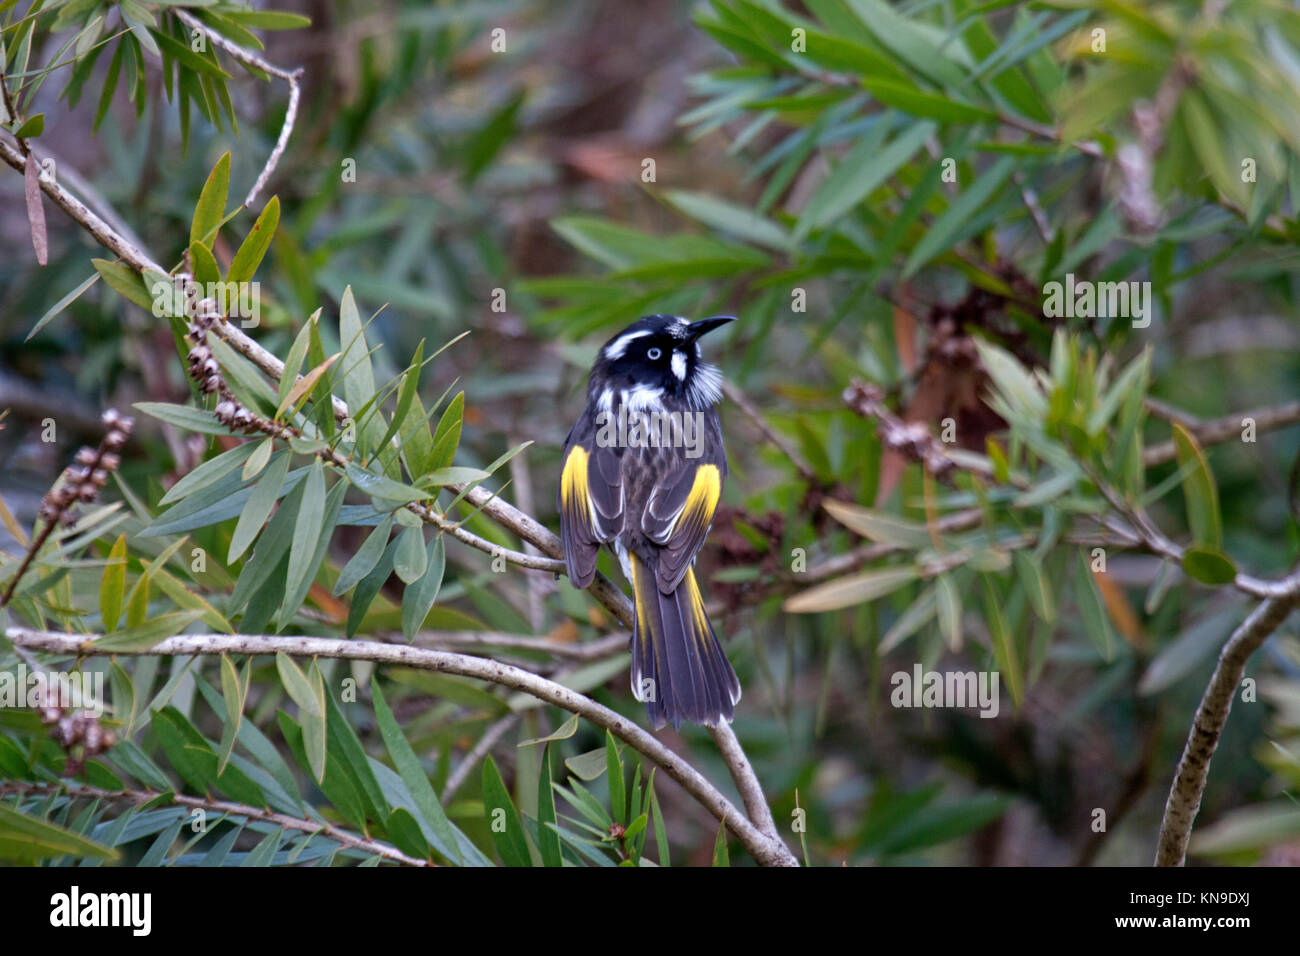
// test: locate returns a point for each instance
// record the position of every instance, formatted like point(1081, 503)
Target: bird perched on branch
point(643, 472)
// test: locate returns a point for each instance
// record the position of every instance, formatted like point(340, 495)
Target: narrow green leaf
point(112, 586)
point(265, 494)
point(211, 207)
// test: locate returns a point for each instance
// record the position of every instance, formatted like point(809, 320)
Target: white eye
point(653, 354)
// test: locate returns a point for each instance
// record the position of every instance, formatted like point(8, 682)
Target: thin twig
point(476, 753)
point(252, 59)
point(141, 797)
point(783, 446)
point(1211, 715)
point(760, 845)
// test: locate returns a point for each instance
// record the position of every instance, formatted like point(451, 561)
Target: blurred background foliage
point(785, 163)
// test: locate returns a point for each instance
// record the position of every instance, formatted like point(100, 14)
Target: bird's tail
point(679, 669)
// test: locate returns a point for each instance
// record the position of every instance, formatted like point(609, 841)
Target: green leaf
point(112, 585)
point(1091, 607)
point(413, 775)
point(850, 590)
point(143, 636)
point(739, 221)
point(720, 855)
point(548, 840)
point(265, 494)
point(62, 304)
point(184, 416)
point(307, 530)
point(879, 526)
point(565, 731)
point(859, 174)
point(34, 126)
point(1004, 647)
point(211, 207)
point(1200, 492)
point(1209, 567)
point(420, 596)
point(26, 840)
point(446, 438)
point(126, 282)
point(367, 556)
point(1244, 829)
point(410, 560)
point(297, 686)
point(258, 459)
point(944, 232)
point(233, 691)
point(255, 244)
point(617, 785)
point(948, 601)
point(502, 818)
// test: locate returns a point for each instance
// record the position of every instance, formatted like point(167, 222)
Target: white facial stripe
point(679, 365)
point(620, 344)
point(606, 401)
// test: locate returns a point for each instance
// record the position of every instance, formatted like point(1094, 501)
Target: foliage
point(963, 476)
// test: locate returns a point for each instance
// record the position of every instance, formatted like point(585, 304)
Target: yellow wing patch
point(702, 500)
point(573, 484)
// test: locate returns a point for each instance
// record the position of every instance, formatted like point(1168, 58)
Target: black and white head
point(655, 357)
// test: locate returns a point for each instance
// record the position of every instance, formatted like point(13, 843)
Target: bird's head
point(660, 352)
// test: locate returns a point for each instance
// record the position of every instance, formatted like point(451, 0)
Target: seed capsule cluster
point(86, 477)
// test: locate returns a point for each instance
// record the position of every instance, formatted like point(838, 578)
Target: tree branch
point(141, 797)
point(767, 850)
point(1211, 716)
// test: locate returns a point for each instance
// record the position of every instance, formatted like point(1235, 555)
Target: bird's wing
point(680, 512)
point(591, 506)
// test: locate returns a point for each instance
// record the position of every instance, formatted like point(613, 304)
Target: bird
point(643, 472)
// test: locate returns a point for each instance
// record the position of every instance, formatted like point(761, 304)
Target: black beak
point(703, 326)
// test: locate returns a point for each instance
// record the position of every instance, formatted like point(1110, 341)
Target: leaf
point(1209, 567)
point(367, 556)
point(446, 438)
point(112, 585)
point(62, 304)
point(304, 386)
point(297, 352)
point(26, 840)
point(35, 210)
point(740, 221)
point(420, 596)
point(944, 231)
point(503, 818)
point(617, 785)
point(1091, 608)
point(383, 489)
point(413, 775)
point(1030, 572)
point(233, 689)
point(1199, 491)
point(1004, 647)
point(548, 840)
point(410, 559)
point(858, 175)
point(255, 244)
point(307, 530)
point(143, 636)
point(265, 494)
point(850, 590)
point(565, 731)
point(948, 600)
point(720, 855)
point(297, 686)
point(33, 126)
point(879, 526)
point(184, 416)
point(1259, 827)
point(1185, 653)
point(258, 459)
point(211, 207)
point(453, 475)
